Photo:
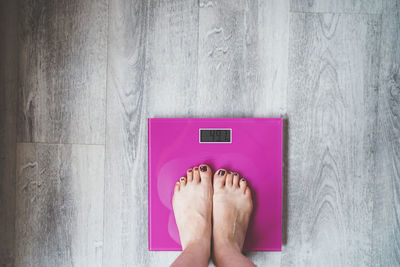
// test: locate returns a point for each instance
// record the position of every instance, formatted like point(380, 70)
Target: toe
point(177, 187)
point(229, 179)
point(219, 178)
point(189, 174)
point(205, 173)
point(247, 193)
point(242, 184)
point(196, 175)
point(182, 181)
point(236, 179)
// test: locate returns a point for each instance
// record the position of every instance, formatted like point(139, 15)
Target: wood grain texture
point(242, 58)
point(337, 6)
point(386, 215)
point(59, 207)
point(332, 102)
point(221, 73)
point(171, 59)
point(8, 108)
point(62, 71)
point(125, 221)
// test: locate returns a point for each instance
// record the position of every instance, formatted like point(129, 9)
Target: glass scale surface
point(250, 146)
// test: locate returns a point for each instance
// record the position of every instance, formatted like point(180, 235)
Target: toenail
point(196, 168)
point(182, 179)
point(243, 179)
point(221, 172)
point(235, 174)
point(203, 168)
point(190, 170)
point(229, 172)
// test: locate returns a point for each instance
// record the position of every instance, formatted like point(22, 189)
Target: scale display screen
point(215, 135)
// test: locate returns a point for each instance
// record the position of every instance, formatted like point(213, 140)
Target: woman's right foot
point(192, 204)
point(232, 207)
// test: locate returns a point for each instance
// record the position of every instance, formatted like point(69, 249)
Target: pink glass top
point(255, 152)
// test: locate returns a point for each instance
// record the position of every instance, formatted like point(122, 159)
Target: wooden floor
point(79, 79)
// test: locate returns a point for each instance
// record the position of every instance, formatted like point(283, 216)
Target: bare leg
point(194, 255)
point(232, 206)
point(192, 204)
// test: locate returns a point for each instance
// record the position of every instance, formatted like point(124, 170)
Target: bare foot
point(192, 204)
point(232, 206)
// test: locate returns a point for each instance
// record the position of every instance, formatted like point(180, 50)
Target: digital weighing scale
point(250, 146)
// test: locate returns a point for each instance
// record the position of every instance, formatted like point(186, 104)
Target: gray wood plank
point(386, 215)
point(160, 81)
point(125, 216)
point(242, 58)
point(332, 102)
point(59, 206)
point(337, 6)
point(221, 74)
point(62, 71)
point(171, 59)
point(8, 105)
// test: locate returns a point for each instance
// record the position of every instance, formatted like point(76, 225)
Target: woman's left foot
point(192, 204)
point(232, 207)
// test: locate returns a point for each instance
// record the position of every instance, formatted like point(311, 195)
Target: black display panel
point(215, 135)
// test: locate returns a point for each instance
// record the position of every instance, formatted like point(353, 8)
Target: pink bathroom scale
point(250, 146)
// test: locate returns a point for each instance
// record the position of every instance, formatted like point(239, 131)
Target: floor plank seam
point(105, 130)
point(51, 143)
point(334, 12)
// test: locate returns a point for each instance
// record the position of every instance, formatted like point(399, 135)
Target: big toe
point(205, 173)
point(219, 179)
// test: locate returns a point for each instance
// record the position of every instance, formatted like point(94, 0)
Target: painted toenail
point(203, 168)
point(229, 172)
point(235, 174)
point(182, 179)
point(221, 172)
point(243, 179)
point(196, 168)
point(190, 170)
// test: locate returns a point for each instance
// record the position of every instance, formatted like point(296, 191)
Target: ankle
point(225, 246)
point(196, 253)
point(224, 253)
point(229, 254)
point(200, 245)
